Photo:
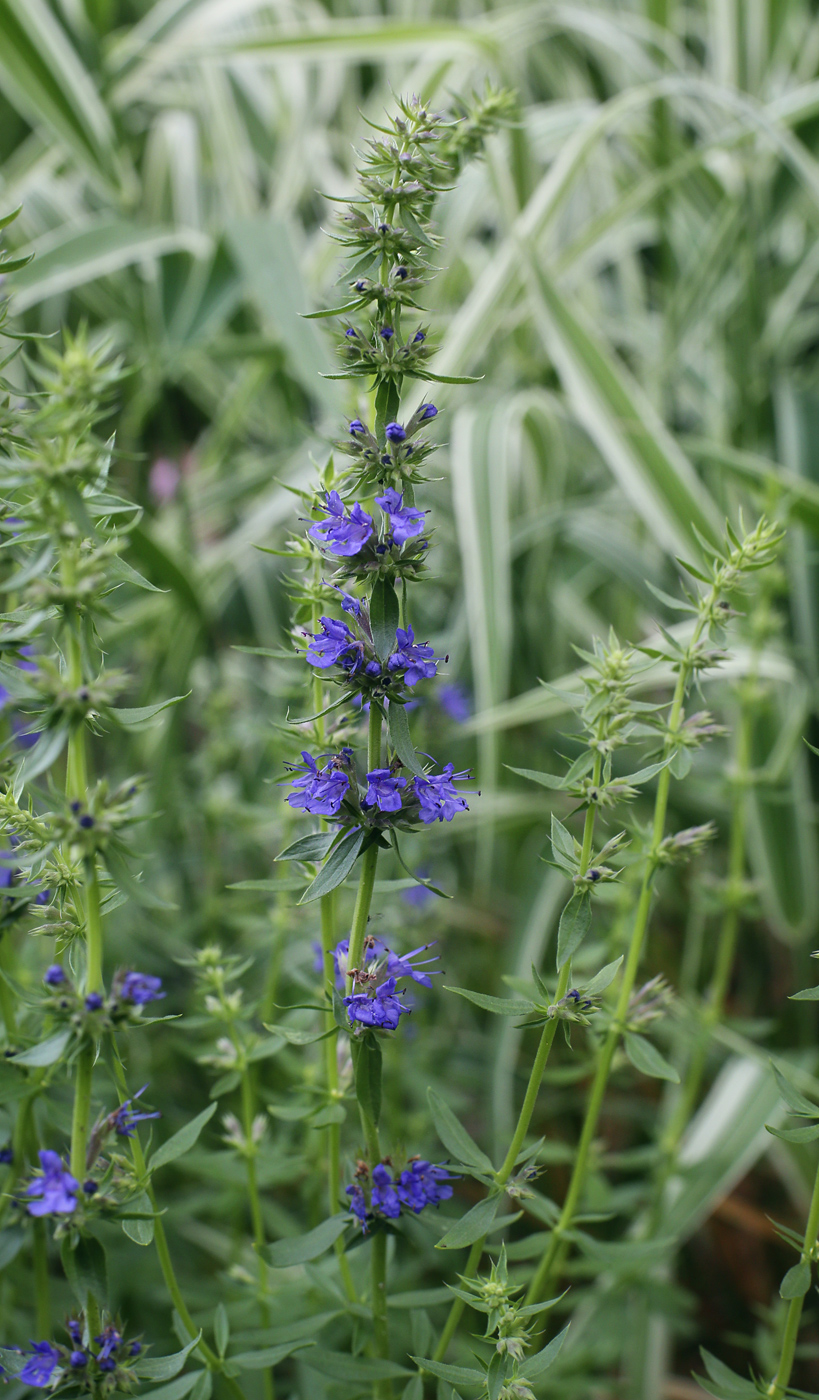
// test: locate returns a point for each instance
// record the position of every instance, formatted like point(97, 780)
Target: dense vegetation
point(624, 252)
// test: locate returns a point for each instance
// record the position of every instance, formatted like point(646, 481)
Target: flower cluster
point(420, 1184)
point(130, 992)
point(352, 650)
point(95, 1365)
point(379, 1006)
point(332, 791)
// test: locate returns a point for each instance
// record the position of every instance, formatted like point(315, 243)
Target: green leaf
point(107, 245)
point(455, 1137)
point(384, 618)
point(140, 1231)
point(85, 1268)
point(43, 76)
point(809, 994)
point(309, 848)
point(398, 726)
point(45, 752)
point(645, 459)
point(472, 1226)
point(294, 1035)
point(340, 1366)
point(647, 1059)
point(366, 1055)
point(456, 1375)
point(46, 1053)
point(500, 1006)
point(732, 1386)
point(300, 1250)
point(182, 1141)
point(337, 867)
point(575, 922)
point(175, 1390)
point(562, 841)
point(164, 1368)
point(268, 1356)
point(536, 1366)
point(221, 1328)
point(547, 780)
point(806, 1134)
point(603, 978)
point(142, 716)
point(796, 1282)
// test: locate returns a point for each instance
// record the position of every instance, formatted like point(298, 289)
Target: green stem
point(382, 1390)
point(42, 1297)
point(530, 1098)
point(781, 1380)
point(555, 1252)
point(81, 1115)
point(369, 861)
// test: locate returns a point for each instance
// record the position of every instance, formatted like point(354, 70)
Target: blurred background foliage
point(634, 270)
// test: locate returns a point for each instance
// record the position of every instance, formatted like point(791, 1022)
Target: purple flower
point(54, 976)
point(6, 1156)
point(373, 948)
point(43, 1359)
point(384, 790)
point(342, 533)
point(78, 1359)
point(395, 433)
point(438, 798)
point(358, 1204)
point(74, 1330)
point(348, 602)
point(108, 1341)
point(417, 660)
point(123, 1120)
point(356, 426)
point(56, 1188)
point(386, 332)
point(384, 1197)
point(455, 701)
point(418, 338)
point(427, 410)
point(402, 966)
point(405, 521)
point(384, 1009)
point(93, 1001)
point(319, 791)
point(424, 1184)
point(140, 988)
point(334, 645)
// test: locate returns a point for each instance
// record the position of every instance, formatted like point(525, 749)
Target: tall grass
point(633, 269)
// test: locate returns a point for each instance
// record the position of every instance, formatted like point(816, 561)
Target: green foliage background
point(633, 269)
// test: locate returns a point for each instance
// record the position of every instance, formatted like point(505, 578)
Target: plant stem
point(41, 1289)
point(81, 1115)
point(553, 1257)
point(530, 1097)
point(781, 1380)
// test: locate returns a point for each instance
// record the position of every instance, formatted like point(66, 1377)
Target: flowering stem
point(369, 861)
point(532, 1089)
point(724, 961)
point(555, 1253)
point(327, 906)
point(781, 1380)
